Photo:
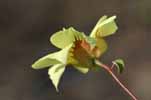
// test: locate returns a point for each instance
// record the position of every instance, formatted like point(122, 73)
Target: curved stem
point(108, 69)
point(112, 66)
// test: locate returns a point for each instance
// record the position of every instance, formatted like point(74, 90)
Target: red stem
point(108, 69)
point(112, 66)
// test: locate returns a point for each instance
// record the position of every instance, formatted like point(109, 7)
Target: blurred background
point(25, 28)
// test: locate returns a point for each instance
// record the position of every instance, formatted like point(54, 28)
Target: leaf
point(65, 37)
point(55, 73)
point(104, 27)
point(107, 27)
point(53, 58)
point(119, 63)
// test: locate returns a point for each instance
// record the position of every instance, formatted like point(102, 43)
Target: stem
point(108, 69)
point(112, 66)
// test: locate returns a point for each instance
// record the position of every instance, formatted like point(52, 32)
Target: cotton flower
point(76, 49)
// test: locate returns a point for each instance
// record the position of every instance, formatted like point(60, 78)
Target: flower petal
point(55, 73)
point(53, 58)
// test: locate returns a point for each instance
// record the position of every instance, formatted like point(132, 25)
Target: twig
point(108, 69)
point(112, 66)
